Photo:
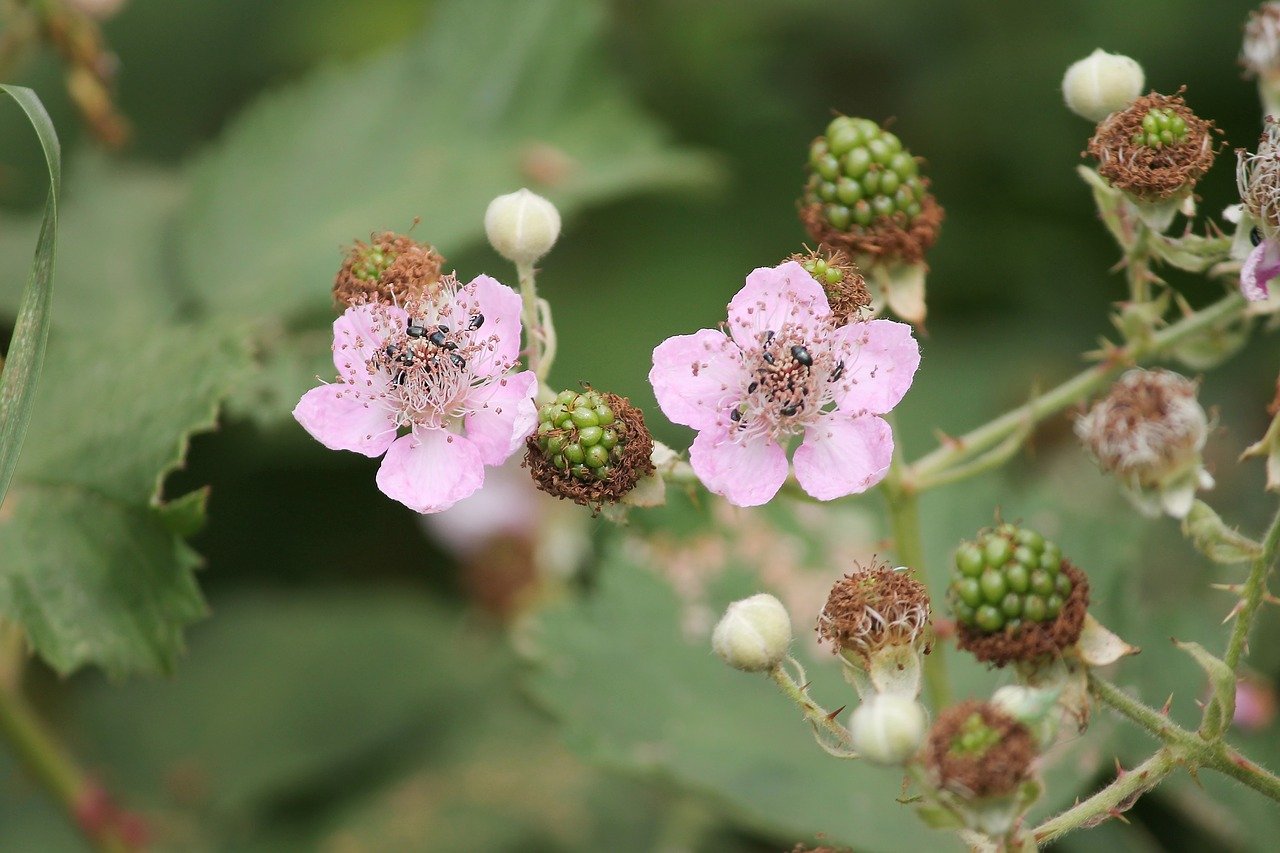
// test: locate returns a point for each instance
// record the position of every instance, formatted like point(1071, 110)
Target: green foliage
point(92, 561)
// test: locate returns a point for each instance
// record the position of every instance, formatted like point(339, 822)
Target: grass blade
point(31, 331)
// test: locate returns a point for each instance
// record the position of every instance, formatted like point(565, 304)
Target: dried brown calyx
point(1032, 641)
point(841, 280)
point(887, 238)
point(976, 750)
point(874, 607)
point(1150, 422)
point(1122, 145)
point(391, 268)
point(551, 459)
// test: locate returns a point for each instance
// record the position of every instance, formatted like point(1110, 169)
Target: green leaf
point(498, 94)
point(634, 692)
point(21, 368)
point(1213, 538)
point(91, 561)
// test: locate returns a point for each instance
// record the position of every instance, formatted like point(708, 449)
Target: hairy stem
point(1112, 799)
point(51, 766)
point(531, 315)
point(926, 470)
point(1254, 590)
point(820, 718)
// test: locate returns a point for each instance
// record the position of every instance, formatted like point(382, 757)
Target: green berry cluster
point(1161, 126)
point(1006, 576)
point(575, 432)
point(975, 737)
point(372, 263)
point(860, 173)
point(821, 270)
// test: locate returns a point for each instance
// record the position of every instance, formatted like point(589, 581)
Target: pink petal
point(361, 331)
point(431, 470)
point(1262, 265)
point(697, 377)
point(500, 331)
point(504, 415)
point(880, 361)
point(340, 419)
point(747, 474)
point(774, 297)
point(843, 455)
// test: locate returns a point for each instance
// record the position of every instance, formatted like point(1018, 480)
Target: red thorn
point(1168, 703)
point(94, 810)
point(1120, 771)
point(837, 712)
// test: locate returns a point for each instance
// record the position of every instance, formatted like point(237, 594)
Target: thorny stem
point(925, 472)
point(1180, 747)
point(818, 717)
point(1111, 799)
point(1254, 590)
point(51, 766)
point(904, 518)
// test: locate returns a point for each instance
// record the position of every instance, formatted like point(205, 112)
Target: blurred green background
point(349, 691)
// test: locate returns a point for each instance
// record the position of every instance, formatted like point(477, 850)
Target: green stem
point(818, 717)
point(50, 765)
point(1255, 589)
point(903, 504)
point(531, 319)
point(1115, 796)
point(927, 468)
point(1190, 748)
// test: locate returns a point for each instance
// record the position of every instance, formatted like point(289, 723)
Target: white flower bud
point(1101, 83)
point(754, 633)
point(888, 728)
point(522, 226)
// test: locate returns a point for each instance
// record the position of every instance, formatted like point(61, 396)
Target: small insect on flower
point(784, 368)
point(441, 404)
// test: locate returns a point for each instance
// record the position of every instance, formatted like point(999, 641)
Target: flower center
point(787, 389)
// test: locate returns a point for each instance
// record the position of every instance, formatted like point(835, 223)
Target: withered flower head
point(1258, 180)
point(841, 280)
point(590, 447)
point(1260, 52)
point(978, 751)
point(391, 269)
point(1154, 149)
point(874, 607)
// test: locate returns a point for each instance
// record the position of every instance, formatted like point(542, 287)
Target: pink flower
point(1262, 265)
point(785, 369)
point(438, 367)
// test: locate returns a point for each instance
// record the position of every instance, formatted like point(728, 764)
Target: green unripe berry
point(883, 206)
point(889, 183)
point(574, 453)
point(564, 398)
point(582, 472)
point(871, 184)
point(988, 618)
point(842, 135)
point(1018, 577)
point(1011, 605)
point(1041, 582)
point(555, 444)
point(1062, 585)
point(862, 213)
point(602, 473)
point(1034, 608)
point(1026, 556)
point(827, 191)
point(839, 216)
point(905, 165)
point(848, 191)
point(597, 456)
point(1053, 605)
point(856, 163)
point(997, 551)
point(969, 591)
point(1031, 539)
point(588, 436)
point(559, 461)
point(833, 276)
point(964, 612)
point(608, 439)
point(828, 167)
point(993, 585)
point(881, 152)
point(969, 560)
point(564, 421)
point(1051, 561)
point(584, 417)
